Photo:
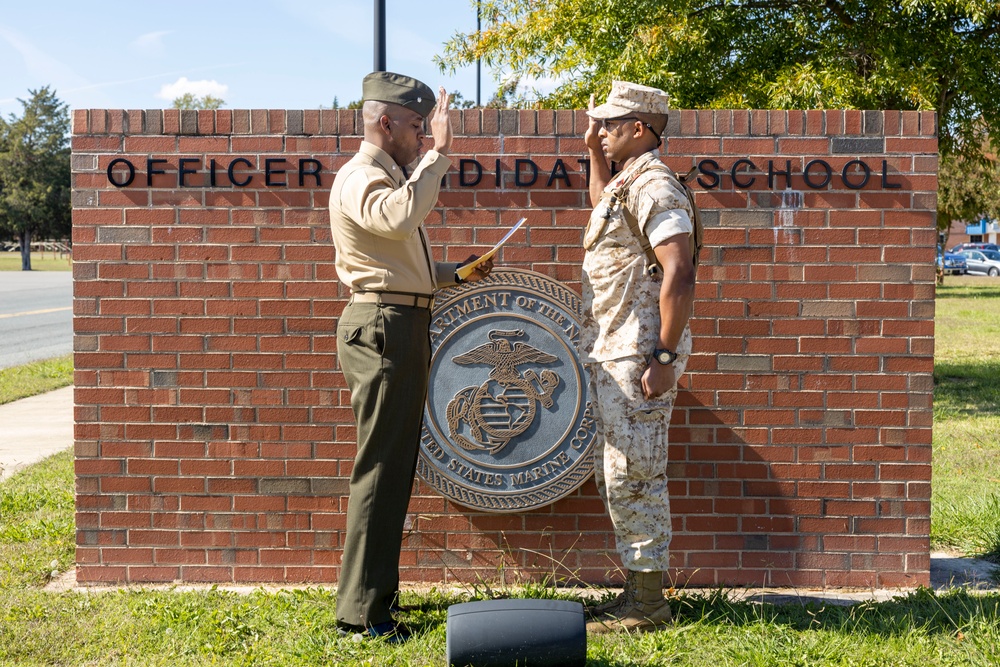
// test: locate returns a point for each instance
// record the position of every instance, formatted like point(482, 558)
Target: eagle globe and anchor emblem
point(507, 424)
point(503, 407)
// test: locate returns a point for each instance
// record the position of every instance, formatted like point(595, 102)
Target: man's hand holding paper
point(478, 270)
point(482, 267)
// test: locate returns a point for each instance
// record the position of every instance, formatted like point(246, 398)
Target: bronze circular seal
point(507, 425)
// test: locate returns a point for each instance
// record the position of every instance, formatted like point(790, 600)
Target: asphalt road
point(36, 315)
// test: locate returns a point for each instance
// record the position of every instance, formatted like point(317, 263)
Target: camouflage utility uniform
point(621, 326)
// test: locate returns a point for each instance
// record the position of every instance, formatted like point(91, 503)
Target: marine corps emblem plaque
point(507, 425)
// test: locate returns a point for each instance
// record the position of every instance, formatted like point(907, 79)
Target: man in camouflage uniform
point(635, 338)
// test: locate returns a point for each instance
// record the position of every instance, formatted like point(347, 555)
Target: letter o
point(826, 181)
point(111, 172)
point(864, 181)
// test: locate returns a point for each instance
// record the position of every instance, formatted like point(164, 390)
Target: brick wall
point(214, 437)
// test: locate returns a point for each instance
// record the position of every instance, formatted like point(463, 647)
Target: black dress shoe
point(397, 607)
point(390, 632)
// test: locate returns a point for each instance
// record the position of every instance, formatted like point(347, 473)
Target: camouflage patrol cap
point(626, 98)
point(398, 89)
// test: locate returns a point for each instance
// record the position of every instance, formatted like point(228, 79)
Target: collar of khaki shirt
point(384, 160)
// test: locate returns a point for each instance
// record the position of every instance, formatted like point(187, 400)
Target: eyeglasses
point(606, 122)
point(618, 121)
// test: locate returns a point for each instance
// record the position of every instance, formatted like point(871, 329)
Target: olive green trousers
point(384, 352)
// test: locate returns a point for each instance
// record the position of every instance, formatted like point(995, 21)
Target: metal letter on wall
point(507, 425)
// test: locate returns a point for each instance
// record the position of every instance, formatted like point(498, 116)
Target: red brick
point(256, 350)
point(102, 574)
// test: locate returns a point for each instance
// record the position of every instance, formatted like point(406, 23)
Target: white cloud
point(39, 64)
point(150, 44)
point(171, 91)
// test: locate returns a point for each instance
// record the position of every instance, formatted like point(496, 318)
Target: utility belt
point(394, 298)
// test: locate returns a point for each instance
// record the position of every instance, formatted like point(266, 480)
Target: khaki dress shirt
point(376, 217)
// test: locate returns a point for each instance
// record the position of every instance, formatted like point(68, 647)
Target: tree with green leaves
point(458, 101)
point(940, 55)
point(35, 172)
point(968, 189)
point(189, 101)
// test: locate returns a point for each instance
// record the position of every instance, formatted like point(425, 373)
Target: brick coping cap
point(509, 122)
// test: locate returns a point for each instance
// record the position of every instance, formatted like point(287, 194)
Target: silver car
point(982, 261)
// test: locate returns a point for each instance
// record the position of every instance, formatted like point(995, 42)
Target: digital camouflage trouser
point(631, 460)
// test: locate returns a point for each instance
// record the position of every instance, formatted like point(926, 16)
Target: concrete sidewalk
point(34, 428)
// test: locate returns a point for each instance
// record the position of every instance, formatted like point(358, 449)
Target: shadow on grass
point(921, 613)
point(921, 610)
point(984, 289)
point(967, 388)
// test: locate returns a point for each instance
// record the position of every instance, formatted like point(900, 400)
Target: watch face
point(665, 357)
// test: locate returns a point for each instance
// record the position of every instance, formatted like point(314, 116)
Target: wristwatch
point(664, 356)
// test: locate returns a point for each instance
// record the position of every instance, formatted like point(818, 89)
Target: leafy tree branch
point(936, 55)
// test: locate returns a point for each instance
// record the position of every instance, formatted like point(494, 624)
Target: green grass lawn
point(35, 378)
point(965, 488)
point(40, 261)
point(295, 627)
point(36, 524)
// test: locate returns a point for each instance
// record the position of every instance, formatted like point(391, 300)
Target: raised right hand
point(441, 123)
point(591, 138)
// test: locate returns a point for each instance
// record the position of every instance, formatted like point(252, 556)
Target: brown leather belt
point(394, 299)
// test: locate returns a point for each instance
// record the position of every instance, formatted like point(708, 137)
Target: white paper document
point(466, 269)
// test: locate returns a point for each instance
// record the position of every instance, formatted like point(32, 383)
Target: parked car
point(975, 246)
point(982, 261)
point(951, 264)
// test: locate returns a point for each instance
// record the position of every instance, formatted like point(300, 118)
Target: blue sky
point(256, 54)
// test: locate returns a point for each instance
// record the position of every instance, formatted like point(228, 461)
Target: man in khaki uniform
point(635, 339)
point(378, 203)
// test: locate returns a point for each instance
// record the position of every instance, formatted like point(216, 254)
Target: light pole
point(379, 35)
point(479, 61)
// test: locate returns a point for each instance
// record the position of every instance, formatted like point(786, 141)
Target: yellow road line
point(35, 312)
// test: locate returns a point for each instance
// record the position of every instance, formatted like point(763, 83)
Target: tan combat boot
point(647, 611)
point(625, 597)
